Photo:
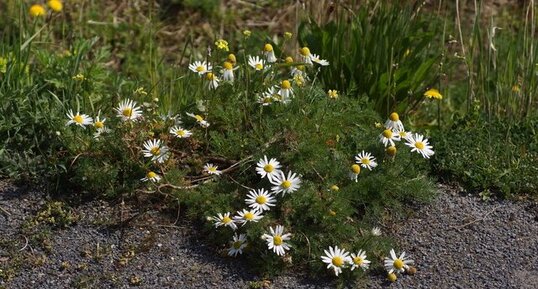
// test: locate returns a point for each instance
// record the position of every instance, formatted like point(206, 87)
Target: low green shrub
point(497, 157)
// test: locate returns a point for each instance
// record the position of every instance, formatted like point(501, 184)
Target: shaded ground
point(457, 241)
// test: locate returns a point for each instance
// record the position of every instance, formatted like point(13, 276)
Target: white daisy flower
point(224, 220)
point(315, 58)
point(260, 200)
point(128, 110)
point(285, 92)
point(269, 53)
point(298, 71)
point(420, 144)
point(81, 120)
point(394, 122)
point(99, 123)
point(354, 172)
point(151, 176)
point(306, 57)
point(256, 62)
point(268, 168)
point(200, 67)
point(180, 132)
point(266, 99)
point(366, 160)
point(228, 71)
point(156, 150)
point(237, 245)
point(276, 240)
point(270, 96)
point(397, 264)
point(359, 261)
point(387, 137)
point(403, 134)
point(376, 231)
point(336, 259)
point(213, 80)
point(199, 119)
point(212, 169)
point(283, 184)
point(246, 216)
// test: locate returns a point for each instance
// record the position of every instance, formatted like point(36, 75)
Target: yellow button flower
point(55, 5)
point(37, 10)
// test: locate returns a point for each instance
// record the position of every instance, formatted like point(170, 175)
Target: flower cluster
point(260, 201)
point(39, 10)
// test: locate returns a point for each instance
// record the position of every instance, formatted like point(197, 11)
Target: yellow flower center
point(180, 132)
point(267, 99)
point(268, 47)
point(286, 184)
point(286, 84)
point(155, 151)
point(199, 118)
point(398, 264)
point(228, 65)
point(391, 151)
point(357, 260)
point(212, 169)
point(268, 168)
point(419, 145)
point(231, 58)
point(200, 68)
point(249, 216)
point(356, 169)
point(300, 67)
point(210, 76)
point(304, 51)
point(226, 220)
point(365, 161)
point(333, 93)
point(78, 119)
point(394, 117)
point(387, 133)
point(337, 261)
point(237, 245)
point(289, 59)
point(127, 112)
point(277, 240)
point(151, 175)
point(261, 200)
point(402, 134)
point(259, 66)
point(99, 124)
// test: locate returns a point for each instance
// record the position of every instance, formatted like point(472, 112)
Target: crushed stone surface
point(457, 241)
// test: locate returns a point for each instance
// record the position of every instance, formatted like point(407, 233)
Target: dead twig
point(475, 221)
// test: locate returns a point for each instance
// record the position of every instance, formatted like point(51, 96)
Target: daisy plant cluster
point(259, 202)
point(281, 171)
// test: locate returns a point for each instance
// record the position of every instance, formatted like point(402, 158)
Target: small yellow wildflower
point(140, 91)
point(222, 45)
point(79, 77)
point(289, 59)
point(333, 93)
point(433, 93)
point(378, 125)
point(247, 33)
point(288, 35)
point(55, 5)
point(335, 188)
point(3, 64)
point(391, 151)
point(37, 10)
point(392, 277)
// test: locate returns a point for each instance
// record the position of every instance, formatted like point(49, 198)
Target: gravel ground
point(457, 241)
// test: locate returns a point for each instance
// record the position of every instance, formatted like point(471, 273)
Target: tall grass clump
point(386, 51)
point(500, 57)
